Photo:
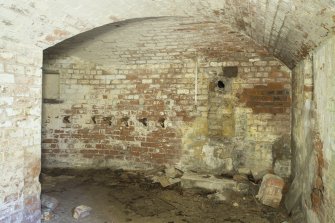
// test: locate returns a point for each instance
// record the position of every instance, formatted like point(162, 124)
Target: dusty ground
point(118, 196)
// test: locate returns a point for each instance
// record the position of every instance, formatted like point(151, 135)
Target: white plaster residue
point(212, 161)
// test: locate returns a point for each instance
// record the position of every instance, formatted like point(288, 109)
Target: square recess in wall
point(50, 90)
point(230, 71)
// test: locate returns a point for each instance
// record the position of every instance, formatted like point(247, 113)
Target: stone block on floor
point(270, 192)
point(211, 183)
point(49, 202)
point(81, 211)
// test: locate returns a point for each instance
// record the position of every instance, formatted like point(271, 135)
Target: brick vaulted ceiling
point(288, 28)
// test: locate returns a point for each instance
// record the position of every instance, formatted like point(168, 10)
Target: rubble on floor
point(212, 183)
point(169, 176)
point(49, 202)
point(48, 205)
point(258, 175)
point(81, 211)
point(218, 196)
point(133, 196)
point(47, 214)
point(270, 192)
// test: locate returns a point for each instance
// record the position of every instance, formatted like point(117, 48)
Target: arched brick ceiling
point(288, 28)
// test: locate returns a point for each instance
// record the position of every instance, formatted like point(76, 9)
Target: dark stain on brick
point(218, 12)
point(281, 149)
point(52, 101)
point(272, 98)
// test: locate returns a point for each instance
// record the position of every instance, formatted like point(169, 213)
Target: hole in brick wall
point(107, 120)
point(66, 119)
point(94, 119)
point(144, 121)
point(161, 121)
point(221, 85)
point(125, 120)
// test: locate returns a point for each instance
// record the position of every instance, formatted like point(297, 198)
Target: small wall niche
point(50, 89)
point(230, 71)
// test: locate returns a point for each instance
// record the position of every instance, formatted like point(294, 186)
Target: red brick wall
point(272, 98)
point(147, 72)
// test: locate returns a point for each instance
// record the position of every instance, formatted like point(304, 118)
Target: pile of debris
point(49, 204)
point(218, 188)
point(270, 191)
point(169, 176)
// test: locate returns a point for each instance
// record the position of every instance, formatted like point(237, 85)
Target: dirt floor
point(119, 196)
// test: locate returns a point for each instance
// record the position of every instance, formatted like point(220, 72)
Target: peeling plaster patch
point(114, 18)
point(58, 34)
point(208, 153)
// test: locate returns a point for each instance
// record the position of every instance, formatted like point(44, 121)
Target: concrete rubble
point(47, 215)
point(169, 176)
point(81, 211)
point(258, 174)
point(173, 172)
point(218, 196)
point(270, 192)
point(212, 183)
point(48, 204)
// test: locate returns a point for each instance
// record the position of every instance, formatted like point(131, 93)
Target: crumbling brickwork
point(289, 29)
point(146, 93)
point(20, 108)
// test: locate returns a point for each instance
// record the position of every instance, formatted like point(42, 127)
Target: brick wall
point(145, 93)
point(312, 190)
point(20, 138)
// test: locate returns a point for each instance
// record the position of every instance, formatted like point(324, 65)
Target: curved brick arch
point(290, 29)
